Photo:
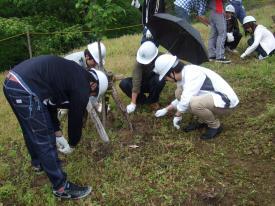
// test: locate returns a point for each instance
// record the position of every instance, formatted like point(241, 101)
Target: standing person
point(262, 40)
point(29, 88)
point(217, 34)
point(233, 32)
point(143, 79)
point(205, 93)
point(148, 9)
point(183, 9)
point(239, 9)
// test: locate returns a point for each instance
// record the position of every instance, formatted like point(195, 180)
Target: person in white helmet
point(205, 94)
point(46, 80)
point(262, 40)
point(233, 32)
point(89, 58)
point(148, 9)
point(143, 79)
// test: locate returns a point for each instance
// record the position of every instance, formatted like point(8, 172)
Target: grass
point(170, 167)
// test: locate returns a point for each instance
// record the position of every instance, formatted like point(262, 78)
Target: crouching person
point(144, 80)
point(262, 40)
point(29, 87)
point(205, 94)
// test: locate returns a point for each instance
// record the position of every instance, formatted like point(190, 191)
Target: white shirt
point(193, 79)
point(77, 57)
point(263, 37)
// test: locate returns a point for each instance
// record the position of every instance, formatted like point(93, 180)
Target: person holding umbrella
point(50, 80)
point(183, 9)
point(148, 9)
point(262, 40)
point(205, 94)
point(143, 79)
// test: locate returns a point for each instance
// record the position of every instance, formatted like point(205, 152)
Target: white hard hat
point(147, 52)
point(248, 19)
point(163, 64)
point(102, 81)
point(93, 49)
point(230, 8)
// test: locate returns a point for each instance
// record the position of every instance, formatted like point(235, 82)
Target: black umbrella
point(178, 37)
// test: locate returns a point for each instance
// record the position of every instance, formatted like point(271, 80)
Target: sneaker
point(194, 126)
point(211, 133)
point(37, 169)
point(211, 59)
point(223, 61)
point(72, 191)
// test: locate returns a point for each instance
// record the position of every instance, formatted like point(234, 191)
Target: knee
point(124, 83)
point(195, 105)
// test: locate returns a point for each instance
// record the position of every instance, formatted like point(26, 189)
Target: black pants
point(234, 44)
point(152, 86)
point(259, 49)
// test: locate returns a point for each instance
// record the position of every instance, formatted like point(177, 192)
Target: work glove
point(243, 56)
point(148, 34)
point(135, 3)
point(161, 112)
point(67, 150)
point(131, 108)
point(176, 121)
point(61, 143)
point(230, 37)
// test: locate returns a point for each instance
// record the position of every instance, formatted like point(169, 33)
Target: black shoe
point(72, 191)
point(37, 169)
point(223, 60)
point(193, 126)
point(211, 133)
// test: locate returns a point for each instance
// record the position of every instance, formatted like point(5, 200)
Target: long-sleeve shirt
point(263, 37)
point(192, 5)
point(59, 80)
point(198, 81)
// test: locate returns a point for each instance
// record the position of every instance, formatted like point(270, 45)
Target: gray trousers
point(217, 35)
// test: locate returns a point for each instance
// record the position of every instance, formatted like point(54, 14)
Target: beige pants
point(203, 107)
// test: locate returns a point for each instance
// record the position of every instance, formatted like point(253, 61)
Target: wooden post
point(29, 43)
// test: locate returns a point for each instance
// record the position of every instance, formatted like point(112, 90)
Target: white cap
point(102, 81)
point(230, 8)
point(147, 53)
point(248, 19)
point(93, 49)
point(163, 64)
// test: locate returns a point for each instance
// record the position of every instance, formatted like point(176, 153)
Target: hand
point(176, 121)
point(131, 108)
point(161, 112)
point(135, 3)
point(230, 37)
point(61, 143)
point(243, 56)
point(66, 150)
point(148, 34)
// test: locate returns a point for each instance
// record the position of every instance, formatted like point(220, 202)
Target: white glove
point(230, 37)
point(176, 122)
point(67, 150)
point(161, 112)
point(135, 3)
point(148, 34)
point(243, 56)
point(131, 108)
point(61, 143)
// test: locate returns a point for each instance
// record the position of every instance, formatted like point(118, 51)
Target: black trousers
point(151, 85)
point(259, 49)
point(234, 44)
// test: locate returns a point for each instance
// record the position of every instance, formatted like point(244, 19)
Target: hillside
point(169, 167)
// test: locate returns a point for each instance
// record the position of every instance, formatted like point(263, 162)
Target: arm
point(257, 38)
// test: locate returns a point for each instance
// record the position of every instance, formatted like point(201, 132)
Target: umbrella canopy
point(178, 37)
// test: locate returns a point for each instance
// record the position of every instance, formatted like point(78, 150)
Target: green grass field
point(169, 167)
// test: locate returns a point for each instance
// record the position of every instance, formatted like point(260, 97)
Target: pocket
point(22, 105)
